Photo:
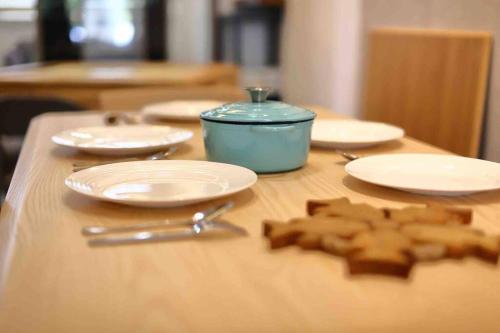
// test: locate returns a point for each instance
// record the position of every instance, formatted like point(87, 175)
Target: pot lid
point(259, 110)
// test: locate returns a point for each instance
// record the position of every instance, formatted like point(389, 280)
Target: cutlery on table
point(204, 215)
point(196, 230)
point(348, 156)
point(77, 166)
point(114, 118)
point(200, 223)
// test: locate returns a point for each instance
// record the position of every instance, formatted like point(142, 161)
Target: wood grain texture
point(430, 82)
point(82, 82)
point(136, 98)
point(53, 282)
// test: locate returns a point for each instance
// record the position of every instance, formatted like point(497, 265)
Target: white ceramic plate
point(430, 174)
point(179, 110)
point(122, 140)
point(161, 183)
point(352, 134)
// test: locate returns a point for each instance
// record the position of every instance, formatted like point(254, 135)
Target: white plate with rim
point(180, 110)
point(430, 174)
point(122, 140)
point(161, 183)
point(352, 134)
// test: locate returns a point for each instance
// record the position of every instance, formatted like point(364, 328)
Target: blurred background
point(310, 52)
point(246, 33)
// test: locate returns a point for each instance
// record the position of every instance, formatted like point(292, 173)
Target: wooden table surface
point(51, 281)
point(81, 82)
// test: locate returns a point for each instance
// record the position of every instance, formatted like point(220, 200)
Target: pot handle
point(269, 128)
point(258, 94)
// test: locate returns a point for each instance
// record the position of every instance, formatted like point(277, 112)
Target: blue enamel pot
point(265, 136)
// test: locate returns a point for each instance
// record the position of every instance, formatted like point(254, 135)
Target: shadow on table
point(108, 213)
point(65, 152)
point(386, 148)
point(402, 196)
point(74, 155)
point(291, 175)
point(383, 148)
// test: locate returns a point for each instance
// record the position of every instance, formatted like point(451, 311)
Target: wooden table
point(82, 82)
point(53, 282)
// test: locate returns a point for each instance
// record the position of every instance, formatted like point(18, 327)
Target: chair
point(16, 113)
point(136, 98)
point(432, 83)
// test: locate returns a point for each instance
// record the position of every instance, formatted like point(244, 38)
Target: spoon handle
point(101, 230)
point(143, 237)
point(348, 156)
point(207, 215)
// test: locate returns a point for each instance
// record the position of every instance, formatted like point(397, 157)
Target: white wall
point(347, 57)
point(189, 31)
point(320, 53)
point(307, 52)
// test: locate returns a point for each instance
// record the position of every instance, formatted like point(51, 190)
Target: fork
point(348, 156)
point(206, 215)
point(197, 229)
point(77, 166)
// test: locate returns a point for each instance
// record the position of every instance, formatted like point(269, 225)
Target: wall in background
point(189, 31)
point(320, 53)
point(307, 52)
point(449, 14)
point(347, 56)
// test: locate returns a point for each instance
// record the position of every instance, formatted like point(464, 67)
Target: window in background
point(108, 28)
point(102, 29)
point(17, 10)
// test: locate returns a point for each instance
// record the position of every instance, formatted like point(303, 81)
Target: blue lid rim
point(248, 114)
point(259, 122)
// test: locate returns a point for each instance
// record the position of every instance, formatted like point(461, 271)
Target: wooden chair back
point(136, 98)
point(432, 83)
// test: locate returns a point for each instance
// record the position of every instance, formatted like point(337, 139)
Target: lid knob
point(258, 94)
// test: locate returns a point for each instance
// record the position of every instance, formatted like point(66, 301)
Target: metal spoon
point(77, 166)
point(348, 156)
point(204, 215)
point(194, 232)
point(114, 118)
point(203, 224)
